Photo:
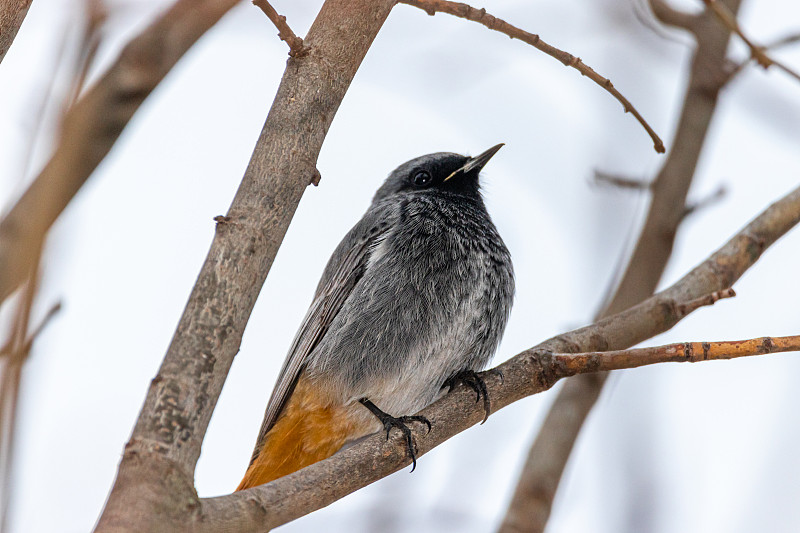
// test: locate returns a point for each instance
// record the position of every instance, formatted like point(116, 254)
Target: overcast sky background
point(670, 448)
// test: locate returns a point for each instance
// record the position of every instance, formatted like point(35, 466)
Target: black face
point(441, 171)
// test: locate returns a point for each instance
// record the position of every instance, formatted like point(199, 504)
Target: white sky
point(670, 448)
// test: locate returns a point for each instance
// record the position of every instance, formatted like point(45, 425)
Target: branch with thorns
point(465, 11)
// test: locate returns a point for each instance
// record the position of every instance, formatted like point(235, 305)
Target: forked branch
point(296, 47)
point(757, 52)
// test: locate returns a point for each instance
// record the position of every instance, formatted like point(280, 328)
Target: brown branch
point(12, 13)
point(683, 352)
point(285, 33)
point(666, 14)
point(757, 52)
point(530, 507)
point(621, 182)
point(93, 124)
point(465, 11)
point(154, 486)
point(527, 373)
point(693, 207)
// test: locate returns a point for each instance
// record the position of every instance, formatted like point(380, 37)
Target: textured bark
point(12, 13)
point(91, 127)
point(527, 373)
point(530, 506)
point(181, 399)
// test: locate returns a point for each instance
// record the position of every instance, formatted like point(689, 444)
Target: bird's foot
point(475, 381)
point(400, 423)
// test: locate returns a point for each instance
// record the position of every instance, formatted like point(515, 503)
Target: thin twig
point(96, 15)
point(465, 11)
point(621, 182)
point(296, 46)
point(693, 207)
point(692, 352)
point(15, 352)
point(757, 52)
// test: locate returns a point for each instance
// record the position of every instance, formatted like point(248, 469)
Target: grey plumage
point(419, 290)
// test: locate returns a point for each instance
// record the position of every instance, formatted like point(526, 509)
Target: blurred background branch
point(530, 506)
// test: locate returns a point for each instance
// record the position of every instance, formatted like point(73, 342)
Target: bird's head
point(442, 171)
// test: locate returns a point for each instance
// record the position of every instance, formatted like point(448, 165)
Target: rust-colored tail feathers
point(308, 430)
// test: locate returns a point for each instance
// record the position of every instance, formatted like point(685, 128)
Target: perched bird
point(415, 297)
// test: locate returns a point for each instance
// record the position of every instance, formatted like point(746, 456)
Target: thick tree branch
point(530, 507)
point(153, 490)
point(12, 13)
point(92, 126)
point(285, 33)
point(666, 14)
point(465, 11)
point(527, 373)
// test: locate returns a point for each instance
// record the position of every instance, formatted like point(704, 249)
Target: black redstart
point(416, 295)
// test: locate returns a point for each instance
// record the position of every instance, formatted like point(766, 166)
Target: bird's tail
point(308, 430)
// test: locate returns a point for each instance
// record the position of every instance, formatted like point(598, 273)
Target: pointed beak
point(477, 162)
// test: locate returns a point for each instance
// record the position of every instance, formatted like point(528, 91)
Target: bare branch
point(465, 11)
point(93, 124)
point(703, 203)
point(758, 53)
point(621, 182)
point(527, 373)
point(666, 14)
point(787, 40)
point(691, 352)
point(12, 13)
point(285, 33)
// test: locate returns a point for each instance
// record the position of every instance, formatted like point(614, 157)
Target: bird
point(414, 299)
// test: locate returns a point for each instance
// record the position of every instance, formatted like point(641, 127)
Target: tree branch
point(157, 467)
point(465, 11)
point(285, 33)
point(683, 352)
point(12, 13)
point(527, 373)
point(530, 507)
point(92, 126)
point(666, 14)
point(758, 53)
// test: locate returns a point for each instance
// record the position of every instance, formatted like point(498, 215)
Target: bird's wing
point(345, 267)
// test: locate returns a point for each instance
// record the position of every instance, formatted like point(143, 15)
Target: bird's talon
point(400, 423)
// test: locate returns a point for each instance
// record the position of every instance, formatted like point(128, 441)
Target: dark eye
point(422, 178)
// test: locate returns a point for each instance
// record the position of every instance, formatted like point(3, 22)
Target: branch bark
point(12, 13)
point(154, 490)
point(92, 126)
point(529, 372)
point(530, 506)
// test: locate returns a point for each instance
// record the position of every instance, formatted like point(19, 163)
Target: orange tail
point(308, 430)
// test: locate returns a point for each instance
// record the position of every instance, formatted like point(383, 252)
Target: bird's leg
point(475, 381)
point(399, 422)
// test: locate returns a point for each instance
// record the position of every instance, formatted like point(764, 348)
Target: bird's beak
point(477, 162)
